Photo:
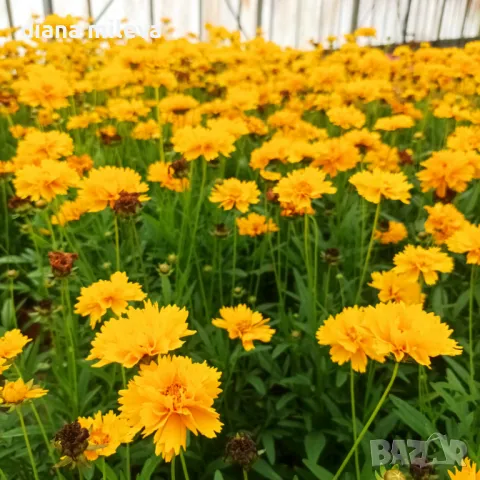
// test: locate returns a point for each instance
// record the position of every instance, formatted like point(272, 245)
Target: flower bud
point(164, 269)
point(241, 450)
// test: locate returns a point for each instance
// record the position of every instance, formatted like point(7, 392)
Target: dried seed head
point(241, 450)
point(127, 203)
point(20, 205)
point(62, 263)
point(72, 440)
point(331, 256)
point(421, 469)
point(271, 196)
point(179, 168)
point(221, 230)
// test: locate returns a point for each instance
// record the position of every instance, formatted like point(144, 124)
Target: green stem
point(104, 469)
point(245, 475)
point(184, 465)
point(354, 419)
point(327, 287)
point(173, 468)
point(470, 326)
point(161, 149)
point(127, 446)
point(27, 442)
point(234, 261)
point(369, 422)
point(369, 253)
point(117, 244)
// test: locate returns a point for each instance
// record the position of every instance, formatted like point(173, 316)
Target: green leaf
point(410, 416)
point(257, 384)
point(317, 470)
point(218, 475)
point(269, 444)
point(264, 469)
point(149, 467)
point(314, 445)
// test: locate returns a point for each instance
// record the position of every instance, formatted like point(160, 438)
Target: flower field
point(223, 259)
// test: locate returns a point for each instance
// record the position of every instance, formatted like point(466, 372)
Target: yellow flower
point(300, 187)
point(243, 323)
point(103, 186)
point(69, 211)
point(443, 221)
point(378, 185)
point(12, 343)
point(15, 393)
point(466, 240)
point(394, 233)
point(45, 86)
point(115, 294)
point(170, 397)
point(193, 142)
point(351, 340)
point(335, 155)
point(395, 122)
point(397, 288)
point(416, 261)
point(234, 193)
point(107, 433)
point(365, 32)
point(148, 130)
point(346, 117)
point(3, 365)
point(468, 471)
point(164, 173)
point(38, 146)
point(446, 170)
point(142, 334)
point(255, 224)
point(410, 331)
point(46, 181)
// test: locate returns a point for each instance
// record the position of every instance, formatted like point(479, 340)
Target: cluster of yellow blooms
point(301, 129)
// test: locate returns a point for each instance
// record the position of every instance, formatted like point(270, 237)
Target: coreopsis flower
point(300, 187)
point(364, 139)
point(17, 392)
point(174, 107)
point(127, 110)
point(80, 164)
point(114, 294)
point(165, 174)
point(395, 122)
point(235, 193)
point(426, 262)
point(243, 323)
point(384, 158)
point(468, 471)
point(409, 331)
point(106, 433)
point(142, 334)
point(148, 130)
point(397, 288)
point(170, 397)
point(4, 365)
point(69, 211)
point(446, 170)
point(351, 340)
point(103, 186)
point(466, 240)
point(393, 233)
point(82, 121)
point(193, 142)
point(443, 221)
point(12, 343)
point(45, 86)
point(6, 168)
point(365, 32)
point(38, 146)
point(335, 155)
point(255, 224)
point(379, 185)
point(346, 117)
point(46, 181)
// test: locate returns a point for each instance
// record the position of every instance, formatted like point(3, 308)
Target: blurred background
point(287, 22)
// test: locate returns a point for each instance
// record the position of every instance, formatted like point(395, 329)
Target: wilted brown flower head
point(448, 198)
point(62, 263)
point(20, 205)
point(331, 256)
point(405, 157)
point(421, 469)
point(221, 230)
point(179, 168)
point(72, 440)
point(109, 139)
point(271, 196)
point(241, 449)
point(127, 203)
